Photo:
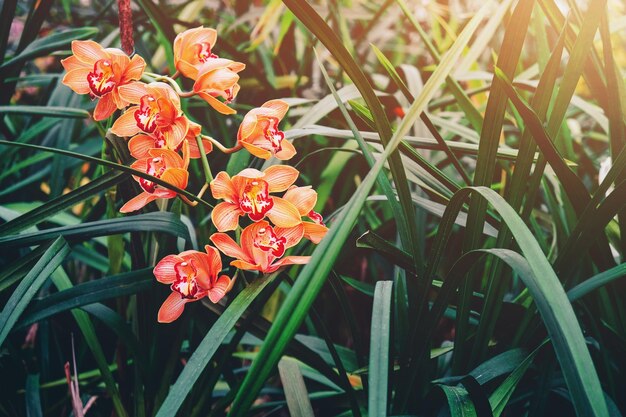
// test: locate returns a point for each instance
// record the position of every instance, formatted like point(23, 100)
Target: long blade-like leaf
point(23, 294)
point(314, 274)
point(379, 349)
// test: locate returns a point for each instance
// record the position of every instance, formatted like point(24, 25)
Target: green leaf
point(26, 290)
point(33, 400)
point(18, 269)
point(209, 345)
point(363, 287)
point(596, 282)
point(500, 397)
point(383, 181)
point(295, 390)
point(50, 111)
point(459, 402)
point(391, 252)
point(508, 58)
point(6, 17)
point(579, 52)
point(514, 193)
point(63, 282)
point(460, 97)
point(88, 293)
point(51, 43)
point(378, 377)
point(396, 78)
point(555, 309)
point(574, 187)
point(307, 15)
point(148, 222)
point(313, 275)
point(110, 164)
point(123, 330)
point(58, 204)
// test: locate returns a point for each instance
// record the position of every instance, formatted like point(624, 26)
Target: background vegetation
point(469, 161)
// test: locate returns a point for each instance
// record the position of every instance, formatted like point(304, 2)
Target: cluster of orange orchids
point(162, 140)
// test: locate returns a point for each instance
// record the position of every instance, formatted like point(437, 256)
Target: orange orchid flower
point(157, 112)
point(100, 73)
point(218, 78)
point(249, 193)
point(259, 132)
point(262, 247)
point(192, 48)
point(140, 144)
point(163, 164)
point(192, 275)
point(304, 199)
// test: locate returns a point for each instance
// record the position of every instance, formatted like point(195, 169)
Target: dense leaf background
point(469, 161)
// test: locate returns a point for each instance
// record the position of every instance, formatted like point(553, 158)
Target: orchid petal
point(76, 79)
point(164, 271)
point(304, 198)
point(222, 188)
point(219, 290)
point(225, 216)
point(280, 177)
point(172, 308)
point(138, 202)
point(105, 108)
point(283, 213)
point(227, 246)
point(126, 125)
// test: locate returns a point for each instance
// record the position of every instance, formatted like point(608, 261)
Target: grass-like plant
point(359, 208)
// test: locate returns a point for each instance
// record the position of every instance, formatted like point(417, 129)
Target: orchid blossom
point(192, 48)
point(249, 193)
point(157, 112)
point(262, 247)
point(218, 78)
point(192, 275)
point(140, 144)
point(100, 73)
point(164, 164)
point(259, 132)
point(304, 199)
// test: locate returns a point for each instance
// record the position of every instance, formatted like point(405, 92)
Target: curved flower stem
point(186, 93)
point(205, 162)
point(175, 75)
point(187, 201)
point(221, 147)
point(170, 80)
point(154, 253)
point(200, 194)
point(203, 190)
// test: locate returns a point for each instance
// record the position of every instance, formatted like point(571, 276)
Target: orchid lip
point(267, 240)
point(147, 114)
point(273, 135)
point(255, 199)
point(156, 168)
point(204, 52)
point(186, 284)
point(102, 79)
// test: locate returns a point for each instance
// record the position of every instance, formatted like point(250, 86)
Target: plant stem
point(221, 147)
point(205, 162)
